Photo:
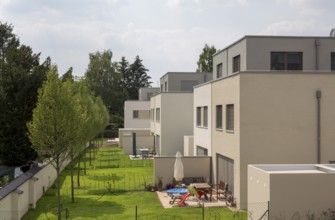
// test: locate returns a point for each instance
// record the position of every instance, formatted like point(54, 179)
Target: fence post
point(268, 209)
point(203, 211)
point(136, 212)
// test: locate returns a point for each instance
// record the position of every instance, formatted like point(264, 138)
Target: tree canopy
point(133, 76)
point(65, 118)
point(21, 74)
point(205, 62)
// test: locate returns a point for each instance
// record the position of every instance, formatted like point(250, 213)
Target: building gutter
point(318, 97)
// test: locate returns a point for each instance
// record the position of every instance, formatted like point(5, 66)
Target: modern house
point(136, 112)
point(272, 100)
point(137, 120)
point(172, 110)
point(290, 191)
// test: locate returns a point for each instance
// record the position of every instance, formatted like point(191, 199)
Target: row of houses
point(269, 100)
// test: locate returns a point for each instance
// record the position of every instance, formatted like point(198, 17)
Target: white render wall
point(176, 121)
point(129, 107)
point(202, 135)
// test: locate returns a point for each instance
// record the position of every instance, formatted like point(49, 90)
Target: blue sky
point(167, 34)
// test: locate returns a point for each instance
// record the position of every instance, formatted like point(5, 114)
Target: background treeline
point(22, 74)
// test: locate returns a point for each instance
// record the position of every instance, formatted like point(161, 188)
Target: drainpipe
point(317, 45)
point(318, 97)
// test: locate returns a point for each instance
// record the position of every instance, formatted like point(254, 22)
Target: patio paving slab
point(191, 201)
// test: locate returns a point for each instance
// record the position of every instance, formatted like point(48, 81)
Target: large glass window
point(205, 116)
point(219, 117)
point(202, 151)
point(236, 64)
point(198, 116)
point(219, 70)
point(230, 117)
point(286, 60)
point(332, 61)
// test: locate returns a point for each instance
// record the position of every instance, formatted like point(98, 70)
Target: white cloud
point(290, 28)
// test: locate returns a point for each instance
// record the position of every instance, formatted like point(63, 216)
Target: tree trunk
point(78, 175)
point(72, 182)
point(90, 148)
point(85, 161)
point(58, 191)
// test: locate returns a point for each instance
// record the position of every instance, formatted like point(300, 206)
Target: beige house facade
point(171, 119)
point(272, 100)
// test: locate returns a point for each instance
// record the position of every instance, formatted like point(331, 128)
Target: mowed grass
point(113, 188)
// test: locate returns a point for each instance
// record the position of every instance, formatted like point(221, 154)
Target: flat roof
point(296, 168)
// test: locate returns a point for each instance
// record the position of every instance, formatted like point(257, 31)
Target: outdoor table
point(176, 193)
point(204, 187)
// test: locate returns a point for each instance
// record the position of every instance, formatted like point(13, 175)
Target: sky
point(168, 35)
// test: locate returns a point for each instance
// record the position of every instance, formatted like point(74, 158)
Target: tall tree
point(134, 76)
point(104, 80)
point(205, 62)
point(21, 74)
point(68, 75)
point(51, 130)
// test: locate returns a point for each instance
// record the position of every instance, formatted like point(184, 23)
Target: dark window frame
point(230, 117)
point(158, 114)
point(198, 116)
point(332, 61)
point(283, 61)
point(218, 117)
point(236, 63)
point(205, 116)
point(135, 114)
point(219, 70)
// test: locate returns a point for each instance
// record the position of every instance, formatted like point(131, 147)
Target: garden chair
point(220, 189)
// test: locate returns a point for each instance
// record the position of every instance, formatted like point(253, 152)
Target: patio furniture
point(188, 180)
point(203, 189)
point(176, 193)
point(220, 188)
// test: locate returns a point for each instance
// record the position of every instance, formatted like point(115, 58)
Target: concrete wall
point(129, 107)
point(193, 167)
point(15, 204)
point(279, 119)
point(226, 58)
point(292, 194)
point(248, 46)
point(143, 139)
point(188, 146)
point(174, 80)
point(144, 94)
point(202, 135)
point(263, 46)
point(227, 143)
point(176, 121)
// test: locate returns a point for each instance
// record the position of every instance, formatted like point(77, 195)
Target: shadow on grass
point(88, 207)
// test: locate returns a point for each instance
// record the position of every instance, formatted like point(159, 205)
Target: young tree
point(51, 129)
point(21, 75)
point(205, 62)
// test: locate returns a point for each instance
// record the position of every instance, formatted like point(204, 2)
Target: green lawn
point(113, 188)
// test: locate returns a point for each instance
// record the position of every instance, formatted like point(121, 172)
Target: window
point(152, 114)
point(236, 64)
point(162, 88)
point(198, 116)
point(135, 114)
point(219, 70)
point(202, 151)
point(230, 117)
point(166, 88)
point(205, 116)
point(286, 60)
point(332, 61)
point(219, 117)
point(158, 114)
